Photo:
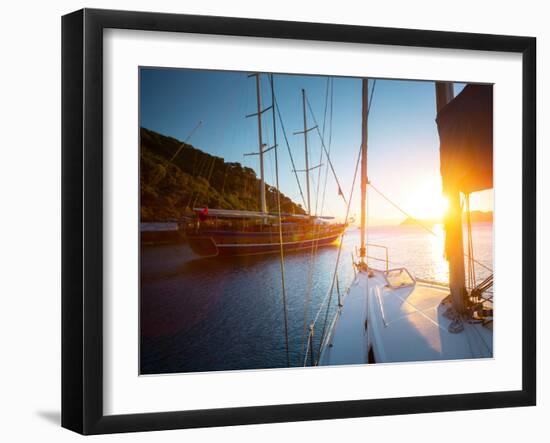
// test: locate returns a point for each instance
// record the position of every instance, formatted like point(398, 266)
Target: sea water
point(217, 314)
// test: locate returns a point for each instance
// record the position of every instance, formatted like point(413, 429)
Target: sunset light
point(268, 202)
point(428, 202)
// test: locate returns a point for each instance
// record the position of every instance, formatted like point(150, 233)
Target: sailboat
point(222, 232)
point(387, 315)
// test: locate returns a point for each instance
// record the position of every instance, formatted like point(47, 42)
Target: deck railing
point(384, 260)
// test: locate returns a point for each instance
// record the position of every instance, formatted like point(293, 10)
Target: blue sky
point(403, 157)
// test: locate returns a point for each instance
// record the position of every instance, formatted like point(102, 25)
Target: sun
point(429, 203)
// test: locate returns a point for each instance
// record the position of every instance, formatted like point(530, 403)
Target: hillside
point(195, 179)
point(475, 216)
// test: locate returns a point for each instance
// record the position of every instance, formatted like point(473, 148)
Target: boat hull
point(216, 245)
point(404, 324)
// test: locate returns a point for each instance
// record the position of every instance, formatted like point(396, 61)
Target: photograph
point(299, 220)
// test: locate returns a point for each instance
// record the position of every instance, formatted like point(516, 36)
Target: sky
point(403, 144)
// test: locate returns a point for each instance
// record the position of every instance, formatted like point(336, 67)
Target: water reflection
point(439, 269)
point(223, 314)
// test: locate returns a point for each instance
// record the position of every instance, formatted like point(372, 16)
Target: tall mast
point(444, 93)
point(306, 152)
point(260, 145)
point(307, 169)
point(364, 179)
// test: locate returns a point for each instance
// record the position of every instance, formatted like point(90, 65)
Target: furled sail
point(466, 140)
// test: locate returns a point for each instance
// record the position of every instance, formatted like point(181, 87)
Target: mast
point(307, 169)
point(364, 179)
point(260, 145)
point(444, 93)
point(306, 153)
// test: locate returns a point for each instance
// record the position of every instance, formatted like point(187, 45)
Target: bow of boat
point(382, 323)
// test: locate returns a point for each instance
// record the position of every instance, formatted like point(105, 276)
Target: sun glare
point(443, 206)
point(429, 203)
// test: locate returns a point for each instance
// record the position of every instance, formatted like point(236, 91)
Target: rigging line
point(326, 105)
point(330, 292)
point(321, 151)
point(468, 226)
point(199, 194)
point(367, 295)
point(235, 101)
point(319, 170)
point(331, 113)
point(418, 222)
point(276, 106)
point(329, 90)
point(337, 260)
point(471, 261)
point(323, 141)
point(347, 215)
point(315, 249)
point(329, 142)
point(480, 337)
point(268, 159)
point(307, 348)
point(317, 228)
point(325, 149)
point(309, 287)
point(182, 145)
point(315, 244)
point(282, 258)
point(395, 205)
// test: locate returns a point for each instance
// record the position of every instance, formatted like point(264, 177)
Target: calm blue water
point(212, 314)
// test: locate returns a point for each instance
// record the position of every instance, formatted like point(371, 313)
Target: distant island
point(475, 216)
point(170, 190)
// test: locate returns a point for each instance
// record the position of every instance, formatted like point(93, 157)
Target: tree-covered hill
point(169, 190)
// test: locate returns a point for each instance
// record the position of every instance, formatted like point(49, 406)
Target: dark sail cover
point(465, 128)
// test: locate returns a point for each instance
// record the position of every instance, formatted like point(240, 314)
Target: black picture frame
point(82, 220)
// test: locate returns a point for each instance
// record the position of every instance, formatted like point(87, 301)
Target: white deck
point(347, 341)
point(404, 324)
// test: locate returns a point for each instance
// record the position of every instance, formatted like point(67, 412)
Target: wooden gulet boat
point(223, 233)
point(220, 232)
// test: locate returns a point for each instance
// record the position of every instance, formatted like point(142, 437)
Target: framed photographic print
point(270, 221)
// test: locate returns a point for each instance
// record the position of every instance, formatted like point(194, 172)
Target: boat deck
point(347, 339)
point(404, 324)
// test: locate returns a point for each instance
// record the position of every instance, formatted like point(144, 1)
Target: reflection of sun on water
point(440, 267)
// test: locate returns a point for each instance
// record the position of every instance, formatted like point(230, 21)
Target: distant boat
point(221, 232)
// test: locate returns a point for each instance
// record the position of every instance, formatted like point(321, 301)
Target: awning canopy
point(465, 127)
